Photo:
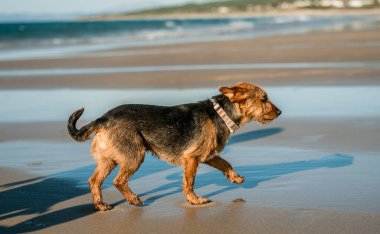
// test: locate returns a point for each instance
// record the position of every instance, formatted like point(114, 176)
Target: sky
point(80, 7)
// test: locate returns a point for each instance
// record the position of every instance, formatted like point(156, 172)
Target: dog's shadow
point(254, 135)
point(254, 175)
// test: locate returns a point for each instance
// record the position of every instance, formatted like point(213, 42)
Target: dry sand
point(57, 203)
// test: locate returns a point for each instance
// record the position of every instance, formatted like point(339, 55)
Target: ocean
point(70, 38)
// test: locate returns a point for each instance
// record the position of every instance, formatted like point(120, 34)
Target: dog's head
point(252, 101)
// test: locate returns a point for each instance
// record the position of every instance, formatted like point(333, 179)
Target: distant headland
point(247, 8)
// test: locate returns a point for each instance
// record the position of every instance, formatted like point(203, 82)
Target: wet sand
point(344, 48)
point(170, 216)
point(304, 174)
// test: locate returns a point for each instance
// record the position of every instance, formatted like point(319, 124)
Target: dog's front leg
point(190, 169)
point(222, 165)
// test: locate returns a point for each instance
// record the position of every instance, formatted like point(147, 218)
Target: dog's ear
point(235, 93)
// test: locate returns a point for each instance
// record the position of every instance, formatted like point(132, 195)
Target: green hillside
point(227, 6)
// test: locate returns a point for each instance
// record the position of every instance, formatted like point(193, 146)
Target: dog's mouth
point(266, 119)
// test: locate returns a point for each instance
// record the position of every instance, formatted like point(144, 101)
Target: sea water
point(20, 40)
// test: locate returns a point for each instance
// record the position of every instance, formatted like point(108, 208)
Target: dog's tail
point(85, 132)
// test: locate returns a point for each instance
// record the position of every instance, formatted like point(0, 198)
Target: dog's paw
point(101, 206)
point(136, 201)
point(199, 201)
point(236, 179)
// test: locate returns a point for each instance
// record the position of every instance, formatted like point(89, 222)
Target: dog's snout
point(278, 112)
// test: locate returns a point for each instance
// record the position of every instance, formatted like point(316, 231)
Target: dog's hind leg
point(102, 170)
point(128, 166)
point(226, 168)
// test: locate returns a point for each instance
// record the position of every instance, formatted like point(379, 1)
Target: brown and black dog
point(186, 135)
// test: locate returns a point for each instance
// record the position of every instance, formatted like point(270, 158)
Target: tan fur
point(222, 165)
point(249, 102)
point(252, 101)
point(107, 157)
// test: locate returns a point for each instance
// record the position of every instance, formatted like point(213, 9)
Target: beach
point(313, 170)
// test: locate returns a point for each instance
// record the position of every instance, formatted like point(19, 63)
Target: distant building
point(331, 3)
point(223, 10)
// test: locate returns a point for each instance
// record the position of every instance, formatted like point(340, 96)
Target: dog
point(184, 135)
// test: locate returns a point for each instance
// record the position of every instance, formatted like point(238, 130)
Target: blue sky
point(79, 7)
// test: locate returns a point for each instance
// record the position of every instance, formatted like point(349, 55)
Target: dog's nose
point(278, 112)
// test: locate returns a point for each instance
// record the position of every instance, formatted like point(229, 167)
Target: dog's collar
point(232, 126)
